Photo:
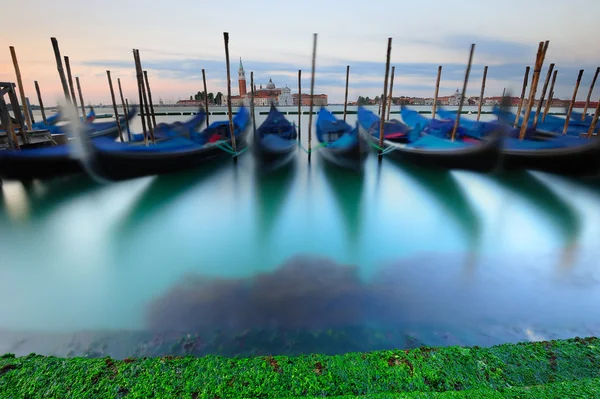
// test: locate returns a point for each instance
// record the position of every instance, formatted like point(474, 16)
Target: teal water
point(312, 247)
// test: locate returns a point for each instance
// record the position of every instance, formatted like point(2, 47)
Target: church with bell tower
point(263, 97)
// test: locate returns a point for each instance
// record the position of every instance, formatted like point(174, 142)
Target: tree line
point(212, 98)
point(395, 100)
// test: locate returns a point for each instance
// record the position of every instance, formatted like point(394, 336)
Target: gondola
point(57, 117)
point(60, 160)
point(97, 129)
point(342, 145)
point(275, 141)
point(424, 142)
point(551, 127)
point(119, 161)
point(164, 131)
point(544, 151)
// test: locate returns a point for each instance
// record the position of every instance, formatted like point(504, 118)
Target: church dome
point(270, 85)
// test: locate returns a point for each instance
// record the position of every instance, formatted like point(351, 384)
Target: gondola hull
point(270, 159)
point(121, 161)
point(128, 165)
point(274, 141)
point(343, 146)
point(481, 157)
point(348, 158)
point(581, 160)
point(15, 167)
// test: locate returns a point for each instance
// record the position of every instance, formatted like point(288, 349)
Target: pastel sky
point(274, 38)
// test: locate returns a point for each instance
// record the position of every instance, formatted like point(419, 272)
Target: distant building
point(189, 103)
point(285, 98)
point(318, 99)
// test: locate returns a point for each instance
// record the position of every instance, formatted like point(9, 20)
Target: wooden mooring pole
point(252, 102)
point(572, 104)
point(464, 92)
point(437, 90)
point(384, 96)
point(22, 94)
point(485, 69)
point(389, 101)
point(39, 96)
point(299, 105)
point(61, 72)
point(114, 102)
point(80, 97)
point(594, 121)
point(312, 92)
point(542, 96)
point(125, 109)
point(587, 100)
point(346, 94)
point(146, 109)
point(72, 87)
point(140, 84)
point(205, 97)
point(231, 130)
point(550, 96)
point(150, 99)
point(541, 55)
point(522, 99)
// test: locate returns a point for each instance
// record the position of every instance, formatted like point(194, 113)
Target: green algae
point(561, 368)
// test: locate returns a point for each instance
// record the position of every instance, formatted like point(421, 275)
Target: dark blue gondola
point(275, 141)
point(60, 160)
point(119, 161)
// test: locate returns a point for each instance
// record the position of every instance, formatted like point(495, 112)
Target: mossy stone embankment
point(563, 368)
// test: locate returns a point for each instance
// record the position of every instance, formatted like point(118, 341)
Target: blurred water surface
point(397, 254)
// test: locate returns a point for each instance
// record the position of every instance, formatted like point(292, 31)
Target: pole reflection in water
point(308, 258)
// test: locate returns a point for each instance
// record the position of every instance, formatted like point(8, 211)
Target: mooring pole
point(231, 130)
point(383, 97)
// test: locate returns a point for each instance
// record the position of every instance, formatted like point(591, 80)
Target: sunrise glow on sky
point(274, 39)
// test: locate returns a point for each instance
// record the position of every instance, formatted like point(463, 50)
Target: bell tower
point(242, 79)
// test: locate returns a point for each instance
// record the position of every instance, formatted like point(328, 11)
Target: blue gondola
point(118, 161)
point(275, 141)
point(60, 160)
point(539, 150)
point(426, 142)
point(342, 145)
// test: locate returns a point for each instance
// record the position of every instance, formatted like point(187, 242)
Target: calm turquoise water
point(493, 258)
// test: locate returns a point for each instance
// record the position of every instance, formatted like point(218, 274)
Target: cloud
point(413, 76)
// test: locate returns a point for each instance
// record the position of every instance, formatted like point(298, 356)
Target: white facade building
point(285, 98)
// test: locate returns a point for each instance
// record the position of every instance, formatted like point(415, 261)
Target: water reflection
point(46, 196)
point(272, 189)
point(347, 187)
point(563, 217)
point(446, 191)
point(162, 190)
